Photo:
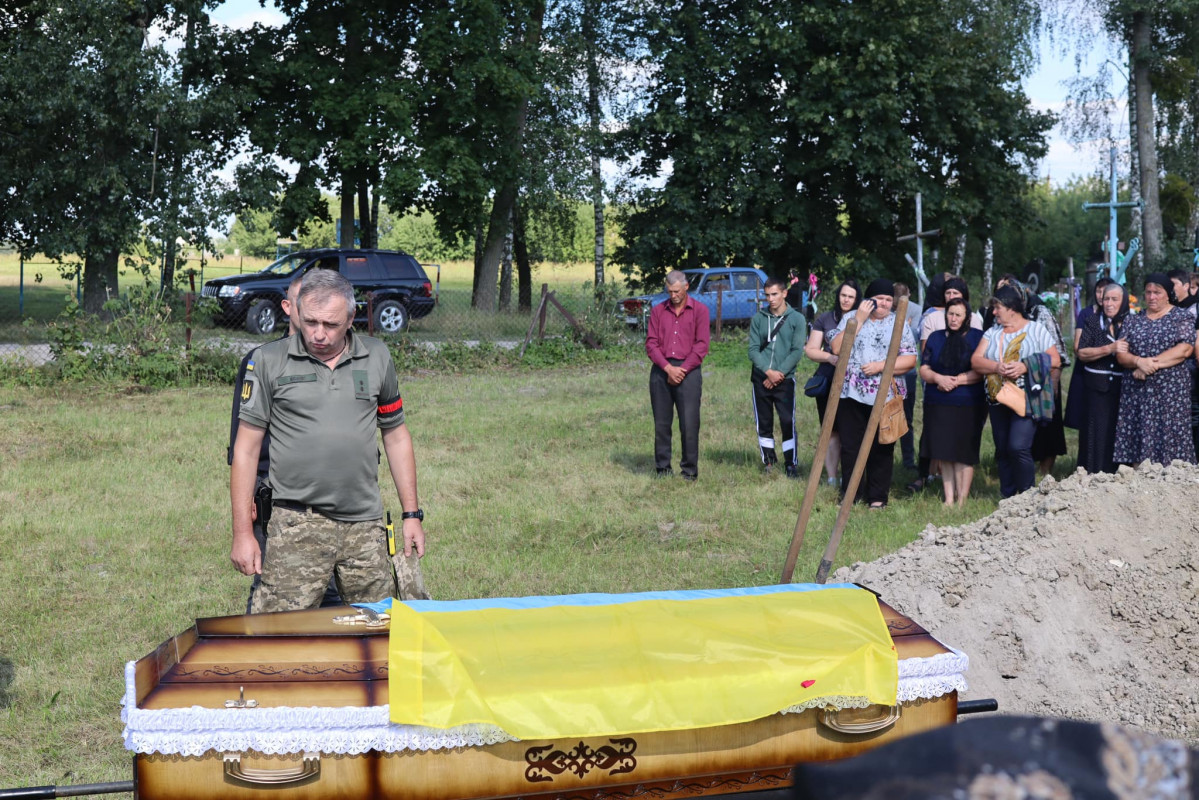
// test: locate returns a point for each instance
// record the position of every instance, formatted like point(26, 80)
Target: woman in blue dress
point(954, 402)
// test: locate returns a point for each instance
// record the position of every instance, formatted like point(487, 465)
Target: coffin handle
point(309, 767)
point(831, 718)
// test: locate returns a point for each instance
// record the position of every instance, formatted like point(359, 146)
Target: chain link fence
point(39, 300)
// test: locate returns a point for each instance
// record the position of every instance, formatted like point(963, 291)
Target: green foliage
point(1058, 228)
point(794, 132)
point(253, 233)
point(139, 345)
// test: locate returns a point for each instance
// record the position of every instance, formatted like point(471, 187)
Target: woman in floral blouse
point(863, 376)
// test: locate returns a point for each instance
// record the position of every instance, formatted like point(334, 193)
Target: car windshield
point(693, 281)
point(286, 265)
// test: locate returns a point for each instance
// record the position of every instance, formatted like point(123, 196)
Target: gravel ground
point(1076, 599)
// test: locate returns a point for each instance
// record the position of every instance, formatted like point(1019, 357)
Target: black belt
point(290, 506)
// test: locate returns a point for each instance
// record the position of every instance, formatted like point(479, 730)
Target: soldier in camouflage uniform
point(323, 393)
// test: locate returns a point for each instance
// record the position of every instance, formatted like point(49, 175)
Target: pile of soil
point(1076, 599)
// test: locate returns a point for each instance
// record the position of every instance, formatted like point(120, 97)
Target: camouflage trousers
point(305, 548)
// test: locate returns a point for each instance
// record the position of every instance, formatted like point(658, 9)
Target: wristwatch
point(418, 514)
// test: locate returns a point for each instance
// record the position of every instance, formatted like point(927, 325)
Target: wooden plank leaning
point(876, 413)
point(826, 433)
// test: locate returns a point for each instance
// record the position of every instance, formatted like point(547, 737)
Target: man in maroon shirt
point(676, 341)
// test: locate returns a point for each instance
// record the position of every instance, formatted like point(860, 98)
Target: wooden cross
point(1115, 270)
point(920, 235)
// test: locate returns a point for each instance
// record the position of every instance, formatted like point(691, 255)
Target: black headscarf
point(959, 284)
point(880, 286)
point(1010, 297)
point(1114, 324)
point(1163, 280)
point(955, 355)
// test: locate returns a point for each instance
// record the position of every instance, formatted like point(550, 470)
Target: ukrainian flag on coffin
point(593, 665)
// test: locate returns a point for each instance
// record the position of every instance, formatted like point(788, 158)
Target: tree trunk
point(493, 248)
point(375, 217)
point(500, 222)
point(474, 287)
point(1142, 47)
point(364, 213)
point(347, 211)
point(506, 270)
point(988, 265)
point(591, 12)
point(100, 278)
point(959, 254)
point(524, 270)
point(1134, 176)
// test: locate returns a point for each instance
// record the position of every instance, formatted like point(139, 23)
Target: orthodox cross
point(1116, 266)
point(920, 235)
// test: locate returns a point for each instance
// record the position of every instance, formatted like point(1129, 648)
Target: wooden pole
point(876, 413)
point(826, 434)
point(538, 314)
point(545, 288)
point(587, 337)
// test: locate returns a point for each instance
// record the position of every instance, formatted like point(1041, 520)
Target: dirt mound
point(1077, 599)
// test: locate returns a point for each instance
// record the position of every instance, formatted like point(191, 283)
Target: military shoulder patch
point(247, 392)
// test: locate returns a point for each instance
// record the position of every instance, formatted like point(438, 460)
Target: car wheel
point(263, 317)
point(391, 316)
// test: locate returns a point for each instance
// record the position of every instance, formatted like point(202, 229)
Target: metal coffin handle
point(831, 718)
point(309, 767)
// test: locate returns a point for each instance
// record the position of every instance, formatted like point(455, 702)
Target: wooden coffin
point(293, 706)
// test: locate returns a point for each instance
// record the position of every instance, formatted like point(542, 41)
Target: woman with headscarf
point(954, 403)
point(1076, 394)
point(846, 299)
point(1155, 396)
point(1100, 377)
point(1001, 357)
point(863, 379)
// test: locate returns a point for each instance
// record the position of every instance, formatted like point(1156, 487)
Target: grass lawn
point(114, 522)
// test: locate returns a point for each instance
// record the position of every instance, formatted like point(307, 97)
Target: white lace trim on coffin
point(919, 679)
point(352, 731)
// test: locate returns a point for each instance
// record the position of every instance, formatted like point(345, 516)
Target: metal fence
point(34, 295)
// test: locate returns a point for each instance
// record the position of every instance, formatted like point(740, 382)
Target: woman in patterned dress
point(863, 376)
point(1155, 397)
point(1099, 398)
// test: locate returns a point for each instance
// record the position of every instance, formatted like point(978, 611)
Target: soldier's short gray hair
point(321, 284)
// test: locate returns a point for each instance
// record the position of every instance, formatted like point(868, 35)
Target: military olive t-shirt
point(324, 451)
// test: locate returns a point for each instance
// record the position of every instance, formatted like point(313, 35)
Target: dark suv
point(391, 283)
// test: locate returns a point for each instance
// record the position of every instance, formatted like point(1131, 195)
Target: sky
point(1046, 89)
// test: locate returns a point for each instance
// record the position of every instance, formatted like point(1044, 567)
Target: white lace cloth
point(346, 730)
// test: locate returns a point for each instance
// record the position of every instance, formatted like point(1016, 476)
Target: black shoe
point(768, 468)
point(793, 472)
point(687, 477)
point(665, 472)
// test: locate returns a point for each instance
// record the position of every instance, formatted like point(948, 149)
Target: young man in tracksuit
point(776, 341)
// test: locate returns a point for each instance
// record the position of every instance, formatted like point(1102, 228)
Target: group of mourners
point(1133, 395)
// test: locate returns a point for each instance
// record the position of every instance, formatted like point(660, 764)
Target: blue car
point(741, 291)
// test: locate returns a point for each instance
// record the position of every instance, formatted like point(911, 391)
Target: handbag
point(816, 386)
point(821, 381)
point(894, 423)
point(1013, 397)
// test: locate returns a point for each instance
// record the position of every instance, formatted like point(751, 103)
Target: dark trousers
point(665, 399)
point(852, 418)
point(907, 446)
point(766, 402)
point(1013, 436)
